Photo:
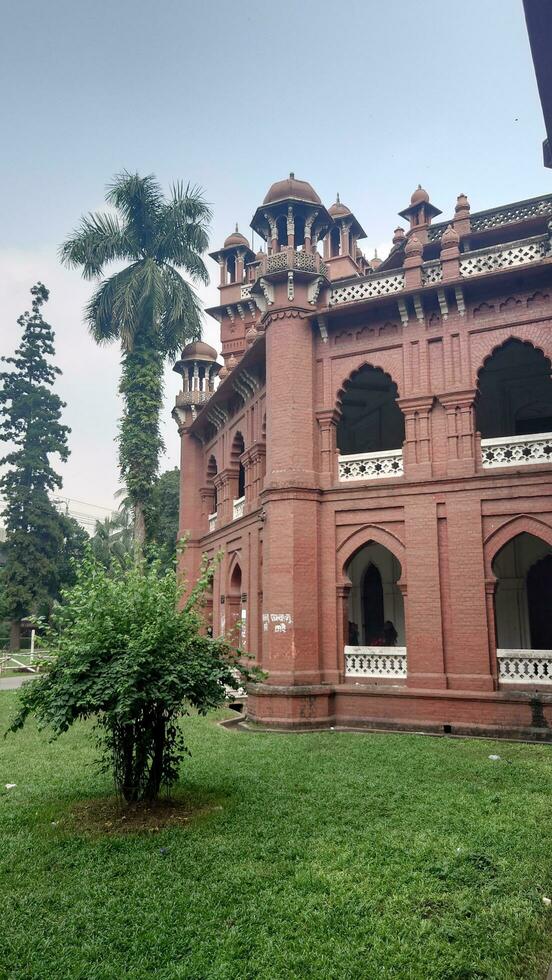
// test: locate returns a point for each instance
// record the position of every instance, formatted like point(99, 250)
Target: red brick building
point(376, 465)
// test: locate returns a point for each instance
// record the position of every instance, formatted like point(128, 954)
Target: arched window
point(231, 268)
point(335, 242)
point(376, 608)
point(514, 392)
point(523, 598)
point(211, 474)
point(281, 225)
point(238, 448)
point(371, 420)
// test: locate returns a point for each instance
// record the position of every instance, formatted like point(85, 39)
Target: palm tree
point(147, 306)
point(112, 539)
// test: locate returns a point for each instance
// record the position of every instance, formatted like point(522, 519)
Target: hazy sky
point(362, 97)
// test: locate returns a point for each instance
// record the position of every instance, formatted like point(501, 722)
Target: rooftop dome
point(338, 210)
point(236, 238)
point(419, 196)
point(300, 190)
point(200, 351)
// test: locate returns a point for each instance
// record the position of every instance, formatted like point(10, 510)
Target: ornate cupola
point(198, 367)
point(340, 244)
point(233, 257)
point(291, 216)
point(236, 312)
point(420, 213)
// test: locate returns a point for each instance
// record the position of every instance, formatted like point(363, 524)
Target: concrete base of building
point(496, 714)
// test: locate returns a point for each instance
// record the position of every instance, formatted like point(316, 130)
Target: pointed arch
point(366, 535)
point(514, 390)
point(507, 531)
point(370, 419)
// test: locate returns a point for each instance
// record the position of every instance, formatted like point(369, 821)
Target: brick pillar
point(450, 254)
point(468, 655)
point(417, 454)
point(342, 598)
point(424, 631)
point(490, 592)
point(327, 423)
point(290, 499)
point(413, 262)
point(191, 507)
point(207, 496)
point(461, 441)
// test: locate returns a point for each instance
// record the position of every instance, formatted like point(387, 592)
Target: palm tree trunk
point(140, 443)
point(139, 530)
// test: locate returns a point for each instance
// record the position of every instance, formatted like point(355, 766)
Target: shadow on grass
point(110, 816)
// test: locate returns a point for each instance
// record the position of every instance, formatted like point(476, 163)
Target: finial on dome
point(337, 201)
point(237, 229)
point(291, 175)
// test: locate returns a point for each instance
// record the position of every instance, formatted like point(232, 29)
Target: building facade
point(375, 465)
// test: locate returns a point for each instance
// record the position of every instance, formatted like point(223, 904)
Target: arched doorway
point(523, 610)
point(234, 616)
point(376, 644)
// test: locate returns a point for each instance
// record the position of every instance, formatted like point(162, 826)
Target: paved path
point(15, 680)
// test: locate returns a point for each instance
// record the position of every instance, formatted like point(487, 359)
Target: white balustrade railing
point(503, 256)
point(212, 521)
point(371, 466)
point(353, 292)
point(237, 507)
point(524, 666)
point(375, 661)
point(516, 450)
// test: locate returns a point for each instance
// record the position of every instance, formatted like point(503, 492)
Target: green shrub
point(132, 655)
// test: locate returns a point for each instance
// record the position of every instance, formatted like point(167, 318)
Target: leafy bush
point(134, 657)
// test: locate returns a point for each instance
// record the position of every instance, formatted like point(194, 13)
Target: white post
point(33, 634)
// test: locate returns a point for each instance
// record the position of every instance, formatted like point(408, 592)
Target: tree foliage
point(147, 306)
point(130, 658)
point(31, 421)
point(162, 516)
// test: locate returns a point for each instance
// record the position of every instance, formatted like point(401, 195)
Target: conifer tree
point(30, 421)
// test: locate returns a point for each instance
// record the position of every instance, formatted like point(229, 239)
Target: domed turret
point(235, 238)
point(199, 367)
point(420, 213)
point(199, 350)
point(338, 210)
point(291, 215)
point(291, 189)
point(342, 238)
point(419, 196)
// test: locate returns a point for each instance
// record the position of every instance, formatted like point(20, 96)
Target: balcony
point(516, 450)
point(524, 666)
point(238, 508)
point(380, 662)
point(371, 466)
point(212, 522)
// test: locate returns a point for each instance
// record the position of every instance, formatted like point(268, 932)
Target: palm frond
point(114, 312)
point(99, 239)
point(181, 320)
point(183, 231)
point(140, 200)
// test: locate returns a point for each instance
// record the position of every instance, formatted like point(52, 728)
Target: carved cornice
point(290, 313)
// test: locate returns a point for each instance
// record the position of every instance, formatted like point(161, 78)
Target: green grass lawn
point(320, 856)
